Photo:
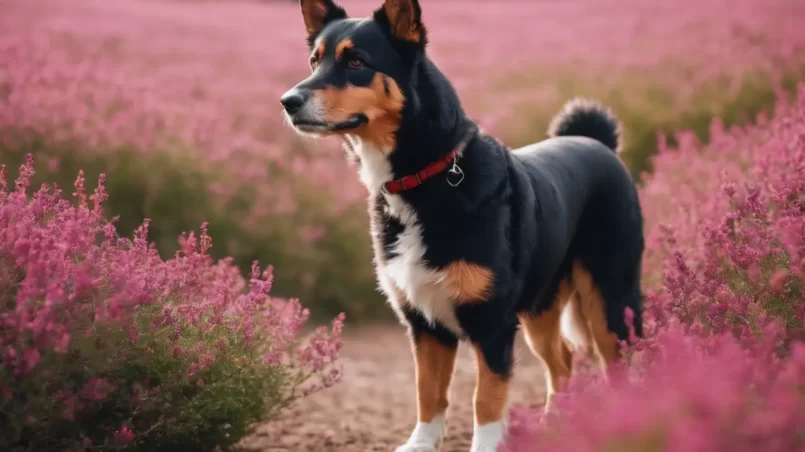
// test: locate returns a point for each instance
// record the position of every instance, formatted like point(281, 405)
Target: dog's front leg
point(494, 356)
point(434, 351)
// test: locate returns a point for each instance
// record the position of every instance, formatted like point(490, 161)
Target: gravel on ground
point(373, 407)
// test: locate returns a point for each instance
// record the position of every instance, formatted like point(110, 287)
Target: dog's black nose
point(293, 100)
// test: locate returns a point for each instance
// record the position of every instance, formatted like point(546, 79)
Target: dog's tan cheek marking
point(341, 47)
point(592, 308)
point(381, 102)
point(470, 283)
point(386, 123)
point(491, 392)
point(435, 363)
point(335, 101)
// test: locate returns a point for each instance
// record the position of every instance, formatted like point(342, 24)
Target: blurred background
point(177, 101)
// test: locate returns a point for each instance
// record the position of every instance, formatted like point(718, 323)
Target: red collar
point(413, 180)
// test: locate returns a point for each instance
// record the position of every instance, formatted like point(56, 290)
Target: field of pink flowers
point(108, 342)
point(177, 103)
point(107, 346)
point(722, 366)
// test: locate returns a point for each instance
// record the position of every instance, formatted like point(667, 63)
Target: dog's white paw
point(416, 448)
point(484, 448)
point(426, 436)
point(488, 437)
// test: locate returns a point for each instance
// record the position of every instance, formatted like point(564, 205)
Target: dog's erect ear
point(405, 20)
point(318, 13)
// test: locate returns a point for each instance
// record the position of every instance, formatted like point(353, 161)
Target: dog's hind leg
point(543, 336)
point(600, 303)
point(575, 328)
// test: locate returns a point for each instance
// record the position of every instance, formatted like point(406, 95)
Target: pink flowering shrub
point(104, 345)
point(208, 81)
point(681, 393)
point(722, 363)
point(731, 240)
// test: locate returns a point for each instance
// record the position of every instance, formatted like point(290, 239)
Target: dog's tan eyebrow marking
point(320, 50)
point(343, 46)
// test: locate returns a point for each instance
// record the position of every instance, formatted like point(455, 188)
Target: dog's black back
point(587, 210)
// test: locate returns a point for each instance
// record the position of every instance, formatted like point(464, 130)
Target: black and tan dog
point(472, 240)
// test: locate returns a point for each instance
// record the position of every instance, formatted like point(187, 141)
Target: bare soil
point(373, 407)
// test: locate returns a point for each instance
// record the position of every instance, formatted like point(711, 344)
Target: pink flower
point(96, 389)
point(124, 436)
point(53, 165)
point(30, 359)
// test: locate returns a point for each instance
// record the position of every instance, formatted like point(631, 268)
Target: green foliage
point(152, 391)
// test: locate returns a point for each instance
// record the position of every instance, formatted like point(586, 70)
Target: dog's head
point(361, 70)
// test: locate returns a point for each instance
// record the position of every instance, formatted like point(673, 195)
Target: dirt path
point(373, 407)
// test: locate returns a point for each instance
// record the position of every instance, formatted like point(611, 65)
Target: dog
point(474, 241)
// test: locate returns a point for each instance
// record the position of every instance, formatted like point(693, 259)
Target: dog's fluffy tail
point(587, 118)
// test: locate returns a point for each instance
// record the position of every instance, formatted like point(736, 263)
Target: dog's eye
point(355, 62)
point(313, 62)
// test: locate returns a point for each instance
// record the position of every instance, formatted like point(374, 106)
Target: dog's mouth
point(353, 122)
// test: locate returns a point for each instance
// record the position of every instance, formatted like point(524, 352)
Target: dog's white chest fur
point(426, 289)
